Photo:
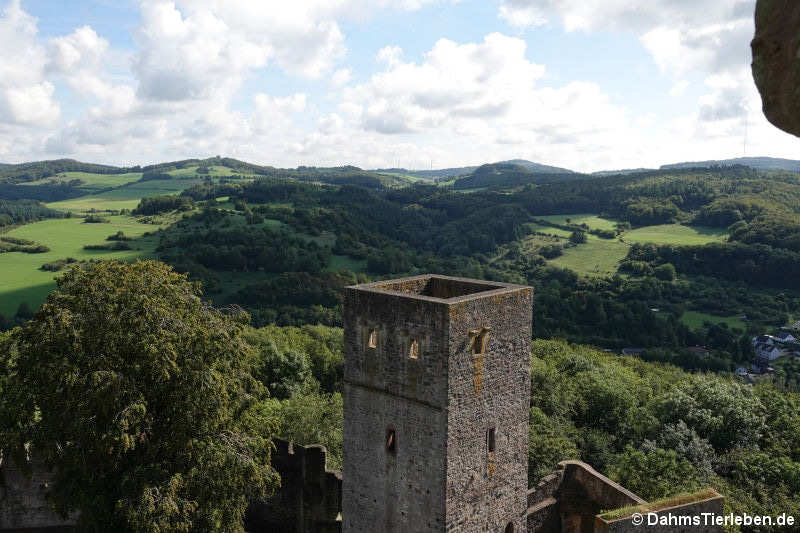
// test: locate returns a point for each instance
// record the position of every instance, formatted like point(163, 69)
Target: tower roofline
point(440, 289)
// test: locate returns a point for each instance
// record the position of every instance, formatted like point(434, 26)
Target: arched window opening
point(372, 341)
point(413, 349)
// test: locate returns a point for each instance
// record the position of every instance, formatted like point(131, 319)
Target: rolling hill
point(759, 163)
point(513, 174)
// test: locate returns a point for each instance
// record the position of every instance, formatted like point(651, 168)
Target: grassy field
point(91, 182)
point(695, 320)
point(213, 171)
point(597, 257)
point(601, 257)
point(675, 234)
point(407, 177)
point(23, 281)
point(124, 197)
point(593, 221)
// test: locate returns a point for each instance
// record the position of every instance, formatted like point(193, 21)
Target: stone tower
point(436, 400)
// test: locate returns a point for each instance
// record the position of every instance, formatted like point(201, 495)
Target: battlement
point(310, 498)
point(442, 289)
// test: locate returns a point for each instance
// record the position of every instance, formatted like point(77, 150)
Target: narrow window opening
point(510, 528)
point(372, 341)
point(478, 338)
point(391, 440)
point(490, 440)
point(413, 349)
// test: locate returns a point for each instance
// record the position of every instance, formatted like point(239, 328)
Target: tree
point(140, 396)
point(577, 237)
point(283, 372)
point(654, 473)
point(665, 272)
point(312, 416)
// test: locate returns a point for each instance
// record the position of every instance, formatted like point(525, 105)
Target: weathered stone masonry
point(437, 390)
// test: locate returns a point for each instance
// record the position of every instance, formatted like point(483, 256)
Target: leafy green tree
point(577, 237)
point(282, 371)
point(321, 345)
point(140, 396)
point(312, 416)
point(549, 445)
point(665, 272)
point(654, 473)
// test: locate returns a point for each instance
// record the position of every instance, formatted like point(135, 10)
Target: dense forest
point(422, 228)
point(273, 251)
point(22, 211)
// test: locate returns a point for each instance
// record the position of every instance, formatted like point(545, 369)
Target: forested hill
point(444, 173)
point(24, 172)
point(759, 163)
point(513, 174)
point(430, 175)
point(538, 167)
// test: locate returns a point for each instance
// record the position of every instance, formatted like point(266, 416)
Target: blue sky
point(587, 85)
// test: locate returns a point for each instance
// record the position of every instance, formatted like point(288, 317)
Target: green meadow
point(21, 278)
point(596, 257)
point(695, 320)
point(593, 221)
point(601, 257)
point(213, 171)
point(91, 181)
point(126, 197)
point(675, 234)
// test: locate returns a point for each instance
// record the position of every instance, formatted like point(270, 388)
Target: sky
point(581, 84)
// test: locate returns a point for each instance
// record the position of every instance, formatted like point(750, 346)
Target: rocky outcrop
point(776, 61)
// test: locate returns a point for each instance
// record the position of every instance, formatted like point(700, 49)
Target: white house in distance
point(766, 348)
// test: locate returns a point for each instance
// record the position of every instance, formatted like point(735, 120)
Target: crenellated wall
point(310, 497)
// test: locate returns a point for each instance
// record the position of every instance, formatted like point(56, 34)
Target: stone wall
point(569, 499)
point(680, 516)
point(487, 491)
point(542, 515)
point(386, 390)
point(310, 497)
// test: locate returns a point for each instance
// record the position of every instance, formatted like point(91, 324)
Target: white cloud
point(32, 104)
point(455, 82)
point(341, 77)
point(390, 55)
point(271, 114)
point(679, 88)
point(680, 34)
point(178, 92)
point(81, 49)
point(26, 97)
